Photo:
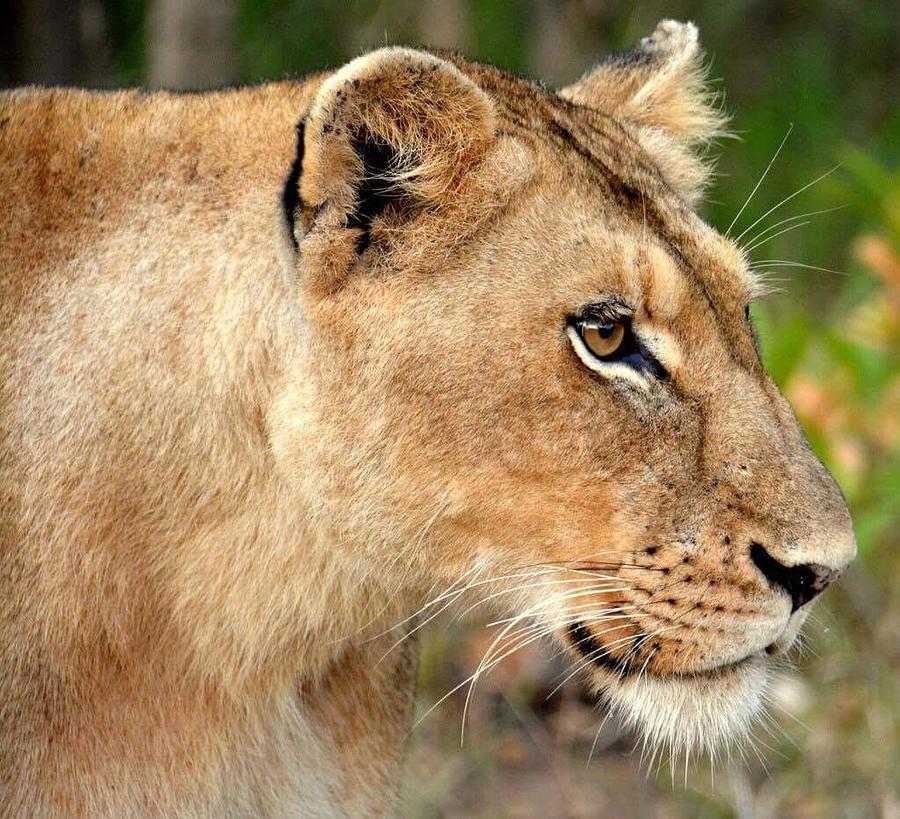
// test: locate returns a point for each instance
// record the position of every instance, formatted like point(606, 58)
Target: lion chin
point(691, 714)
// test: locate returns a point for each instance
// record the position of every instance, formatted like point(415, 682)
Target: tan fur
point(232, 452)
point(661, 87)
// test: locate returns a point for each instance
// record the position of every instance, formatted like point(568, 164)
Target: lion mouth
point(688, 711)
point(633, 665)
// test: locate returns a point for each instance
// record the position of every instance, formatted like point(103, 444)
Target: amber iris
point(604, 340)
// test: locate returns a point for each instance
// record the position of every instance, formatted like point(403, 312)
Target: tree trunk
point(45, 42)
point(191, 43)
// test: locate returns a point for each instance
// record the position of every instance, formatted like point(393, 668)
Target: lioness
point(270, 390)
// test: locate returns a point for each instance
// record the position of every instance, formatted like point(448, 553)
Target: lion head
point(530, 371)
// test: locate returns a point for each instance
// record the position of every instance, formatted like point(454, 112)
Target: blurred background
point(830, 336)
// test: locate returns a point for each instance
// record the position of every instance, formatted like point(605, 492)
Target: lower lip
point(584, 643)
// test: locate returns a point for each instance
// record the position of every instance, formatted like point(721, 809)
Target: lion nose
point(801, 582)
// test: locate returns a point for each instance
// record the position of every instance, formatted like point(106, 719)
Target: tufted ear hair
point(392, 133)
point(660, 86)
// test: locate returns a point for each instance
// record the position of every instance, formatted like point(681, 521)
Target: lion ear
point(390, 134)
point(660, 86)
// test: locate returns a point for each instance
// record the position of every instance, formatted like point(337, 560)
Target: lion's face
point(548, 392)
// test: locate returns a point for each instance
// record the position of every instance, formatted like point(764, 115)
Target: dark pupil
point(605, 330)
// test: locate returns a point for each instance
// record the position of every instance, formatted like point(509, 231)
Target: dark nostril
point(802, 582)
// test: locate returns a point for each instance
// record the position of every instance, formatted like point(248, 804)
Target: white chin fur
point(692, 715)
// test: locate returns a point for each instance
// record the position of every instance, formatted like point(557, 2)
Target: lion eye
point(604, 339)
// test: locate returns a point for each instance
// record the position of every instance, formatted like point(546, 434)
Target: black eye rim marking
point(631, 352)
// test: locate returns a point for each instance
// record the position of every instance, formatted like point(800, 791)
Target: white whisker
point(786, 200)
point(764, 175)
point(788, 229)
point(764, 263)
point(542, 585)
point(790, 219)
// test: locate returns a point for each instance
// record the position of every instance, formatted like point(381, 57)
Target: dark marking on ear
point(290, 195)
point(375, 191)
point(753, 333)
point(631, 58)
